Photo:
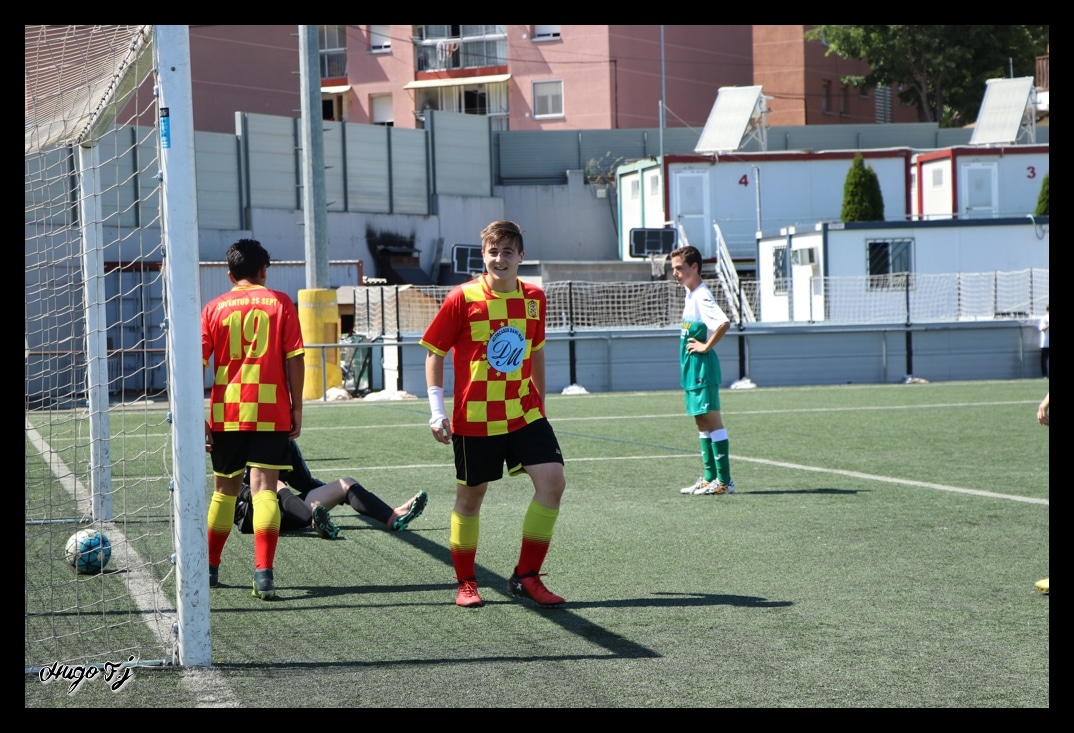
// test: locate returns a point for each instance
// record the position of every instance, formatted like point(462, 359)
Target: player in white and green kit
point(703, 325)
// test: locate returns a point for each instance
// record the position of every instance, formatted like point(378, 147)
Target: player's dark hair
point(690, 255)
point(245, 259)
point(500, 231)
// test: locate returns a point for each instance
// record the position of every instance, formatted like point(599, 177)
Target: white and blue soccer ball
point(88, 551)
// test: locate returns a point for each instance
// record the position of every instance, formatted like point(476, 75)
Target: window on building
point(472, 99)
point(844, 100)
point(890, 263)
point(545, 32)
point(475, 100)
point(826, 97)
point(547, 99)
point(379, 40)
point(332, 40)
point(380, 108)
point(333, 107)
point(883, 104)
point(780, 270)
point(438, 47)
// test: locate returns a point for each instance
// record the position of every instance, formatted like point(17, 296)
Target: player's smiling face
point(501, 263)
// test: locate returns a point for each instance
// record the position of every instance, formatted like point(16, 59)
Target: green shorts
point(703, 400)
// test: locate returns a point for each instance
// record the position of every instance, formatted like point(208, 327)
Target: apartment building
point(530, 77)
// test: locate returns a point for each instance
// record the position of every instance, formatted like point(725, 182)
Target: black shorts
point(234, 450)
point(479, 459)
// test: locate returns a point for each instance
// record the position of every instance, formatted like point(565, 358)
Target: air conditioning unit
point(807, 256)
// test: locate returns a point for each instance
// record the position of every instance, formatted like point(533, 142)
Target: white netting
point(97, 435)
point(572, 305)
point(922, 298)
point(76, 74)
point(577, 305)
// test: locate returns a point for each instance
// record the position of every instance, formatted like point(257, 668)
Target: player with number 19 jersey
point(250, 387)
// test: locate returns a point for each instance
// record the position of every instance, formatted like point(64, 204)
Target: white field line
point(779, 464)
point(356, 470)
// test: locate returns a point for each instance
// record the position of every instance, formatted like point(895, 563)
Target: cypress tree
point(1042, 198)
point(862, 199)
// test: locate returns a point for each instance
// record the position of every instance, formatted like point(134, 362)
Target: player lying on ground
point(310, 506)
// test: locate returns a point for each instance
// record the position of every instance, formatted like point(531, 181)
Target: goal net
point(100, 402)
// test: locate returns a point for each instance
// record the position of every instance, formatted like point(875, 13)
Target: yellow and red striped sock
point(536, 535)
point(221, 517)
point(463, 541)
point(266, 528)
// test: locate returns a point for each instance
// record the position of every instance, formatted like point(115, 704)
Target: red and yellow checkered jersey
point(493, 335)
point(250, 332)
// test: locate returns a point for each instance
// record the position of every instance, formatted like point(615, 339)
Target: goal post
point(183, 305)
point(113, 404)
point(182, 286)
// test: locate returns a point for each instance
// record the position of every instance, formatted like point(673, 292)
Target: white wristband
point(436, 407)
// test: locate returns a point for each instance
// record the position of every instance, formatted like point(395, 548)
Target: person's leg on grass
point(329, 495)
point(407, 512)
point(549, 483)
point(697, 405)
point(221, 516)
point(721, 446)
point(465, 529)
point(295, 513)
point(266, 529)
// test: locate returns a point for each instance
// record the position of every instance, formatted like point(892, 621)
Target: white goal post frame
point(179, 228)
point(79, 80)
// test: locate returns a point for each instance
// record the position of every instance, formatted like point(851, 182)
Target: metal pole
point(757, 196)
point(663, 94)
point(909, 334)
point(314, 196)
point(570, 346)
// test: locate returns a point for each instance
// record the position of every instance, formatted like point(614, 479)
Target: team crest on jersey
point(506, 349)
point(531, 309)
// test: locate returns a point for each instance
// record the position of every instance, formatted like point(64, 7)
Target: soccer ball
point(88, 551)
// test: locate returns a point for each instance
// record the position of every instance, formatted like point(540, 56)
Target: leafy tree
point(862, 199)
point(942, 69)
point(1042, 198)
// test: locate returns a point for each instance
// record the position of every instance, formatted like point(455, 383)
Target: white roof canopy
point(457, 81)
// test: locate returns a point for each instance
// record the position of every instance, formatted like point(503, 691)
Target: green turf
point(880, 552)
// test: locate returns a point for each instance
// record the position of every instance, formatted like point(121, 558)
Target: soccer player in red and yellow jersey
point(253, 337)
point(496, 326)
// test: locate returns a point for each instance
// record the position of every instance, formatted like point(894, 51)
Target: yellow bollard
point(318, 314)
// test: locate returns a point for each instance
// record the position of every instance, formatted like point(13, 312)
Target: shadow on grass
point(616, 646)
point(494, 591)
point(833, 492)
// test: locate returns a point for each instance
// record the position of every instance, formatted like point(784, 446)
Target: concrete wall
point(564, 222)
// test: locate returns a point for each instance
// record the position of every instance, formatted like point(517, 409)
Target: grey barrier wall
point(418, 187)
point(770, 356)
point(387, 181)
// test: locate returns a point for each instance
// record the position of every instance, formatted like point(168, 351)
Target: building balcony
point(467, 47)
